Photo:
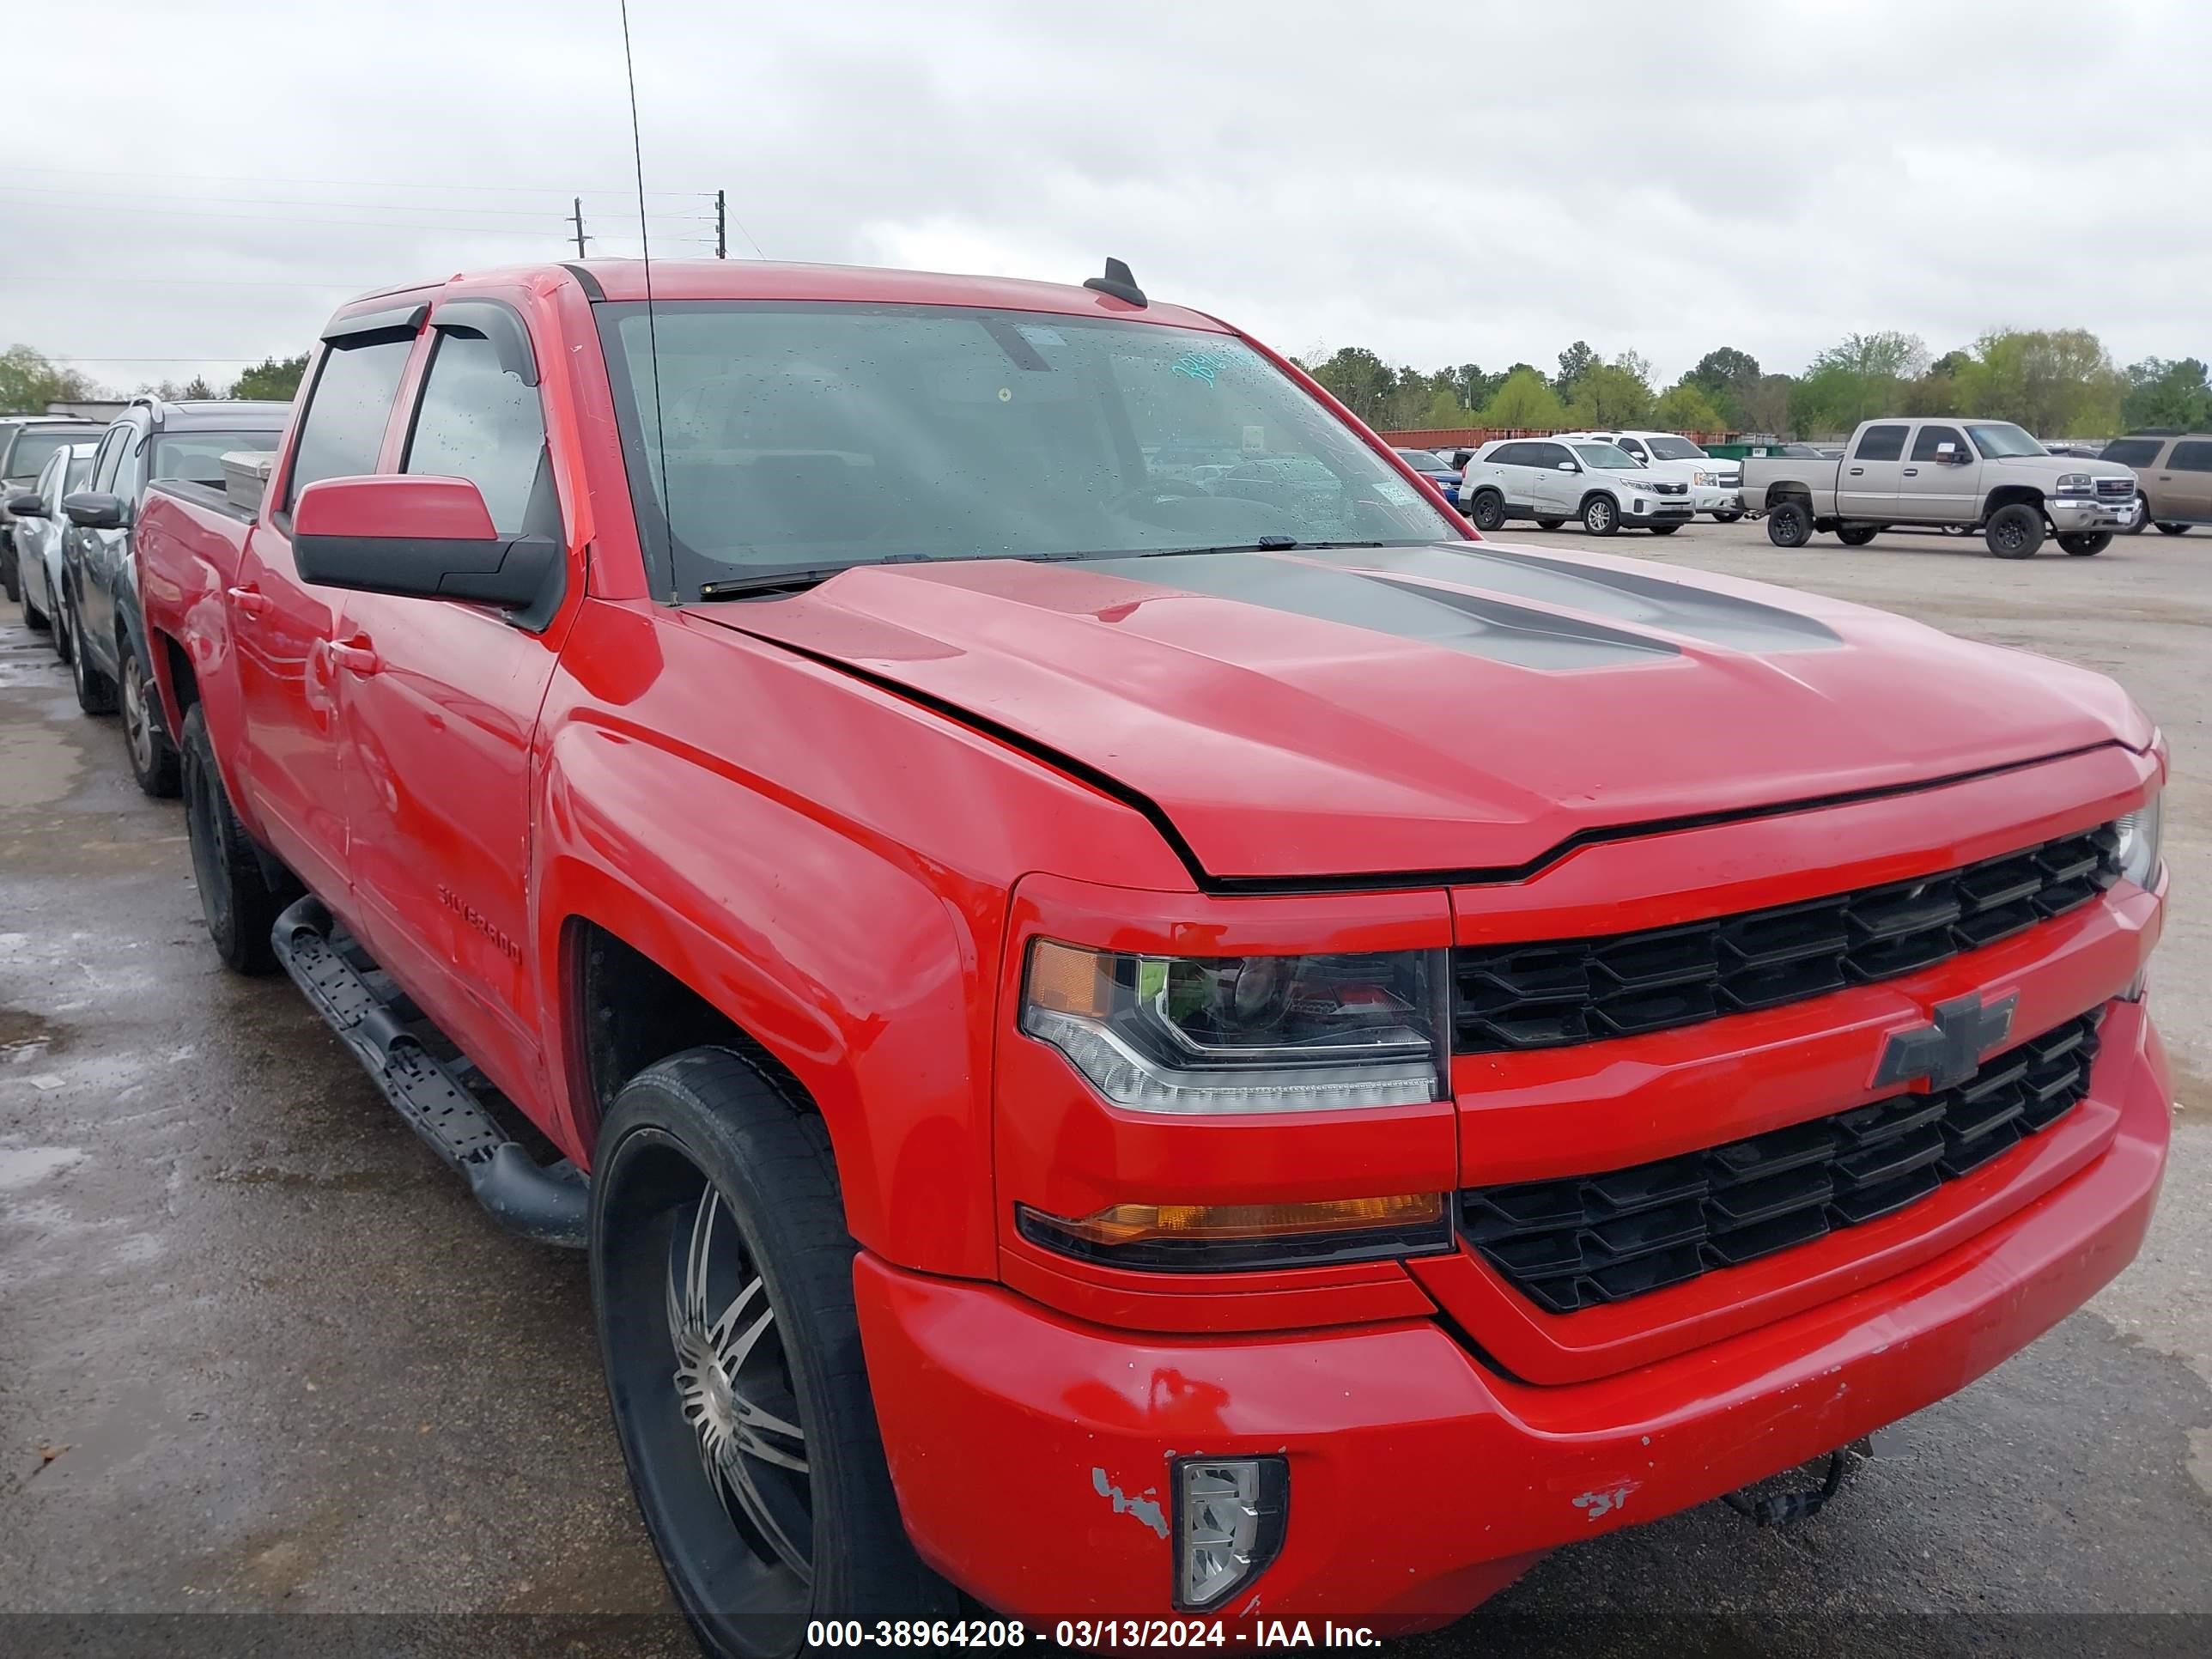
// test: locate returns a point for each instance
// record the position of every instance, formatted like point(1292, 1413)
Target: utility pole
point(579, 226)
point(721, 220)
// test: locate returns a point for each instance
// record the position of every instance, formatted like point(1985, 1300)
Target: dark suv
point(2173, 474)
point(98, 609)
point(26, 441)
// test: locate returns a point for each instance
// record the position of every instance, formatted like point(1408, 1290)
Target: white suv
point(1716, 485)
point(1581, 477)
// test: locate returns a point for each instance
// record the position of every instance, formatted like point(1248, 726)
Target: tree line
point(2057, 383)
point(29, 380)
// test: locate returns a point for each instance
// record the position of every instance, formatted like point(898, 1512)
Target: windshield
point(35, 447)
point(1999, 440)
point(1612, 457)
point(1667, 447)
point(804, 437)
point(197, 456)
point(1421, 461)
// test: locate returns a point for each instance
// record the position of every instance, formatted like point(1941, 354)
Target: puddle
point(38, 766)
point(26, 1037)
point(27, 1166)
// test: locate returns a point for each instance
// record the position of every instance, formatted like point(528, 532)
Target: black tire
point(65, 642)
point(2142, 515)
point(1726, 518)
point(1549, 523)
point(1788, 524)
point(95, 692)
point(2015, 531)
point(2086, 545)
point(34, 618)
point(707, 1172)
point(10, 582)
point(1664, 529)
point(236, 896)
point(1855, 535)
point(1488, 512)
point(1600, 514)
point(146, 726)
point(2167, 528)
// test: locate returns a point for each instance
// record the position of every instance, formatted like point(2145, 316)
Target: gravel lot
point(259, 1354)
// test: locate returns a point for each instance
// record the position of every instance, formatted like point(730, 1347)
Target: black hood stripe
point(1626, 597)
point(1472, 622)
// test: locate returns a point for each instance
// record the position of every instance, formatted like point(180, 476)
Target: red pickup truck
point(1136, 1025)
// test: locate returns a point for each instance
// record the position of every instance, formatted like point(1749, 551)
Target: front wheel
point(34, 618)
point(2085, 544)
point(2166, 528)
point(1549, 523)
point(1788, 524)
point(1855, 535)
point(1600, 515)
point(1664, 529)
point(1726, 518)
point(2014, 532)
point(241, 903)
point(1488, 511)
point(145, 728)
point(722, 1281)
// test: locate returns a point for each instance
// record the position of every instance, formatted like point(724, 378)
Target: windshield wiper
point(770, 584)
point(1265, 544)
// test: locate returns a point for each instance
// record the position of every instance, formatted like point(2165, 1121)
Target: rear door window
point(2193, 455)
point(1881, 443)
point(343, 431)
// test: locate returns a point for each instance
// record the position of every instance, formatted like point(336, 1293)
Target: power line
point(361, 184)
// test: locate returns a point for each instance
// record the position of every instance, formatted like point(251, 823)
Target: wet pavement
point(259, 1354)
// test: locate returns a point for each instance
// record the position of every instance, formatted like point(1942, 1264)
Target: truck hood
point(2046, 469)
point(1459, 708)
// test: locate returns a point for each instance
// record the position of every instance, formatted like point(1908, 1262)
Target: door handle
point(1911, 471)
point(1856, 471)
point(251, 600)
point(357, 659)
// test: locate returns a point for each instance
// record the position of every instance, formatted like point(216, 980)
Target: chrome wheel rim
point(137, 729)
point(733, 1386)
point(1600, 515)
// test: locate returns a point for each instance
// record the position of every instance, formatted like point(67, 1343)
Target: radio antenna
point(652, 336)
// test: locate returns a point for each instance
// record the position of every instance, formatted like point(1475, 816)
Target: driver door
point(1940, 480)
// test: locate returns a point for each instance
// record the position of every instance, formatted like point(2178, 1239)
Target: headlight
point(1703, 478)
point(2138, 849)
point(2076, 483)
point(1225, 1035)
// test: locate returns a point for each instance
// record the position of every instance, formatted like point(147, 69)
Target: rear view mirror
point(91, 509)
point(421, 537)
point(27, 504)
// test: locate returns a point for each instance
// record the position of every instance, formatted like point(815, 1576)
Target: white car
point(39, 525)
point(1581, 477)
point(1716, 485)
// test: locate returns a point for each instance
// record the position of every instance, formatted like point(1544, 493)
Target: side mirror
point(91, 509)
point(28, 504)
point(421, 537)
point(1571, 466)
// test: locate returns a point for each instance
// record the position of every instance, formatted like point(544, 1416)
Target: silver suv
point(1552, 480)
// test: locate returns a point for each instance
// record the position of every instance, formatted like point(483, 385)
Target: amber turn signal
point(1197, 1238)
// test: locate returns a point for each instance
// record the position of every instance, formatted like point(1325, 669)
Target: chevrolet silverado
point(1131, 1046)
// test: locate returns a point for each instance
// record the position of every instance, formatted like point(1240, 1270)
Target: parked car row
point(28, 442)
point(1119, 946)
point(71, 559)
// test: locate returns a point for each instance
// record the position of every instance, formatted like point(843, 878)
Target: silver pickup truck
point(1986, 476)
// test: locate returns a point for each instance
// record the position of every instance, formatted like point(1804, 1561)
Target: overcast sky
point(203, 179)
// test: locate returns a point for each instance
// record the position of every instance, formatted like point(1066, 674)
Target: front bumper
point(1671, 509)
point(1030, 1451)
point(2071, 515)
point(1715, 499)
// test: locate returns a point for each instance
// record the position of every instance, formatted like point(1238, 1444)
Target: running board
point(544, 1203)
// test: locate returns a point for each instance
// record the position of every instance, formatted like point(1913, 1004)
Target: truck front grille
point(2121, 489)
point(1575, 1242)
point(1548, 994)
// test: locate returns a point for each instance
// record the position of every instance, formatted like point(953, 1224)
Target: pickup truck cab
point(1984, 475)
point(1131, 1048)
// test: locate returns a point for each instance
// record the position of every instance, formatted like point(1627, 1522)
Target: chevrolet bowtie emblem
point(1949, 1052)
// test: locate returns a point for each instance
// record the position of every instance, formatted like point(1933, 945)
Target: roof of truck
point(761, 279)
